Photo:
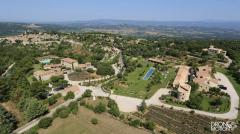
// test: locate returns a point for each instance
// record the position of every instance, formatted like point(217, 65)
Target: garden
point(134, 84)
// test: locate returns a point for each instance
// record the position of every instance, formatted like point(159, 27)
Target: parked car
point(59, 88)
point(50, 94)
point(222, 87)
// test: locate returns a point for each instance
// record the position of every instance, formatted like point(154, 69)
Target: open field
point(181, 122)
point(81, 124)
point(135, 86)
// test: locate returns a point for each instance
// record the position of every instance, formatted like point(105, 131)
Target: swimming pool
point(148, 74)
point(45, 61)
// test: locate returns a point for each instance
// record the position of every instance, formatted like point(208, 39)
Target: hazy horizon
point(134, 10)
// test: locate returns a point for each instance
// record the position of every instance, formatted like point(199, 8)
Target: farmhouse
point(157, 60)
point(69, 63)
point(85, 66)
point(204, 78)
point(180, 82)
point(46, 75)
point(212, 50)
point(52, 66)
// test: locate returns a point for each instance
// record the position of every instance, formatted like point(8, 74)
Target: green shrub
point(73, 107)
point(142, 107)
point(87, 93)
point(64, 113)
point(135, 123)
point(94, 121)
point(45, 122)
point(100, 108)
point(70, 95)
point(32, 108)
point(90, 70)
point(114, 110)
point(149, 125)
point(52, 100)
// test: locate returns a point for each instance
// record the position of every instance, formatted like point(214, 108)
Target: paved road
point(35, 122)
point(226, 65)
point(129, 104)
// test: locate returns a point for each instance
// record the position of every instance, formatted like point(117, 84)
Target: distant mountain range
point(178, 29)
point(209, 24)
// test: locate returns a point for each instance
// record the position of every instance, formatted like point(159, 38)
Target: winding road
point(129, 104)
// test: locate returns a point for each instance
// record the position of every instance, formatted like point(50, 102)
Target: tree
point(45, 122)
point(149, 125)
point(58, 81)
point(39, 90)
point(105, 69)
point(87, 93)
point(100, 108)
point(195, 101)
point(4, 89)
point(33, 108)
point(142, 107)
point(73, 107)
point(8, 121)
point(70, 95)
point(62, 112)
point(114, 110)
point(135, 123)
point(216, 102)
point(194, 86)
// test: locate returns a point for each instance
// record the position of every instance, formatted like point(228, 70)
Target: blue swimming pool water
point(46, 61)
point(148, 74)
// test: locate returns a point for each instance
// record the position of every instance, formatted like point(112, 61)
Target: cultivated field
point(81, 124)
point(181, 122)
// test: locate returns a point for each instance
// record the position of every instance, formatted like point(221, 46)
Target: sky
point(149, 10)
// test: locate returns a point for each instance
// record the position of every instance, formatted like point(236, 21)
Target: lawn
point(36, 67)
point(81, 124)
point(204, 103)
point(225, 106)
point(135, 86)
